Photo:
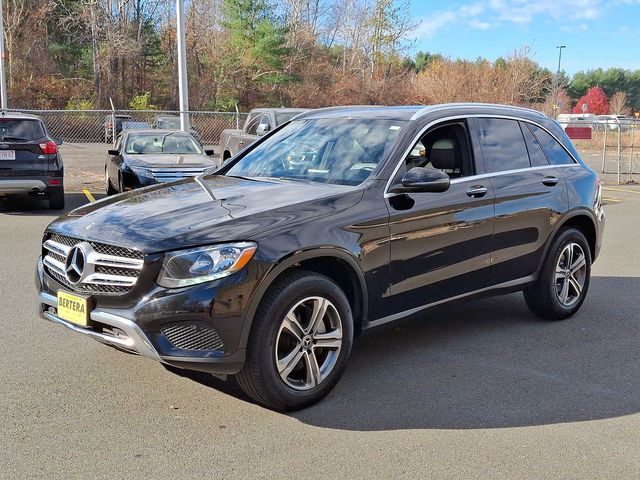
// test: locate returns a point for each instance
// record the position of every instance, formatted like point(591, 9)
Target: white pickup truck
point(258, 122)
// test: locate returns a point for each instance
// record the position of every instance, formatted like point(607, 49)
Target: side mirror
point(113, 153)
point(58, 141)
point(209, 152)
point(420, 179)
point(262, 129)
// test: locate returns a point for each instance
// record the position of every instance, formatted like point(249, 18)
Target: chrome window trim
point(387, 194)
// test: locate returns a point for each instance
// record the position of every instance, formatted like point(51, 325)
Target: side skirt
point(500, 288)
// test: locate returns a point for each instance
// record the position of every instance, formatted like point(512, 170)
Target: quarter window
point(503, 145)
point(536, 155)
point(555, 153)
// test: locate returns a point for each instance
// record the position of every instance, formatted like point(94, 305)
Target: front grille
point(108, 270)
point(193, 337)
point(171, 174)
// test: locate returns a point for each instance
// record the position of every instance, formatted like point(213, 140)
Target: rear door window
point(503, 146)
point(555, 153)
point(19, 130)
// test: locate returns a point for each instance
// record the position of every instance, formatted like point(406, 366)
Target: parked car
point(145, 157)
point(576, 120)
point(612, 122)
point(268, 269)
point(258, 122)
point(110, 129)
point(172, 122)
point(30, 162)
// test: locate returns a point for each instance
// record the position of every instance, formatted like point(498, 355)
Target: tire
point(309, 372)
point(564, 279)
point(108, 187)
point(56, 199)
point(120, 183)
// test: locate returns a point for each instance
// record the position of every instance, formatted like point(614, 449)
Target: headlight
point(142, 172)
point(197, 265)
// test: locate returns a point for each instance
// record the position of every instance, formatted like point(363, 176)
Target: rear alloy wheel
point(564, 278)
point(299, 344)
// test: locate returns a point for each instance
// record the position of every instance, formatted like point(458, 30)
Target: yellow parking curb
point(87, 194)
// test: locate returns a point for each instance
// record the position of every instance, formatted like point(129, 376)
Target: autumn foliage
point(596, 101)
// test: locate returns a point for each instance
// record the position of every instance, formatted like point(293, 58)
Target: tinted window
point(536, 155)
point(14, 130)
point(503, 145)
point(555, 153)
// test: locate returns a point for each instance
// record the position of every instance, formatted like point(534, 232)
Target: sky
point(596, 33)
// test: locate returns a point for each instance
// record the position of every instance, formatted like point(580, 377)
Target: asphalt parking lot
point(477, 390)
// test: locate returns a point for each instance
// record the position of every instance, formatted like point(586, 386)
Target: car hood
point(183, 214)
point(169, 160)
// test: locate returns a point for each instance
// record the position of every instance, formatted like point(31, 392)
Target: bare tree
point(619, 104)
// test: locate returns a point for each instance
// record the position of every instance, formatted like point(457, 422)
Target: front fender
point(290, 261)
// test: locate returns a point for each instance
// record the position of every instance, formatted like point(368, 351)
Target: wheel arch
point(337, 264)
point(582, 220)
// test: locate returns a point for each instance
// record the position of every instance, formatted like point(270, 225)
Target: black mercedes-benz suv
point(30, 162)
point(337, 221)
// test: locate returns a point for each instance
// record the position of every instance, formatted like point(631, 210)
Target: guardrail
point(96, 126)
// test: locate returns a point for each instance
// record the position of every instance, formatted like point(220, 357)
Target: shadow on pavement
point(34, 206)
point(489, 364)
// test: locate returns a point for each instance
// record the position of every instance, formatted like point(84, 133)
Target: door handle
point(550, 181)
point(477, 191)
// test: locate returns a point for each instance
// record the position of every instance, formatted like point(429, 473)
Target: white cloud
point(493, 13)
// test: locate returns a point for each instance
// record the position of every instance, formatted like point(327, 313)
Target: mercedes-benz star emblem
point(74, 267)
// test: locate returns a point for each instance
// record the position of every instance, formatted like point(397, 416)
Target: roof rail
point(445, 106)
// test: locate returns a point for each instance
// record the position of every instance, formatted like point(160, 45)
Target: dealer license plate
point(73, 308)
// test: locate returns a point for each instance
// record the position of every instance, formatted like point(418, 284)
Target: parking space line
point(87, 194)
point(637, 192)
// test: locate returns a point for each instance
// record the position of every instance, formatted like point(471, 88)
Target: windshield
point(336, 151)
point(168, 122)
point(20, 130)
point(176, 143)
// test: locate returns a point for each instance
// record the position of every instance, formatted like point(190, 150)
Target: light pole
point(183, 86)
point(556, 107)
point(3, 80)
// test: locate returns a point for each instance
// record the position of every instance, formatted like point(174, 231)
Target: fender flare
point(289, 261)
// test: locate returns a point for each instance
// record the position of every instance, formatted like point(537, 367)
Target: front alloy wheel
point(300, 341)
point(308, 343)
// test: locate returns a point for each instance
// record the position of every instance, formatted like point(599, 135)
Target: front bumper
point(137, 328)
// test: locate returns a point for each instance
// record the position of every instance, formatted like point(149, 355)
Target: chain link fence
point(97, 126)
